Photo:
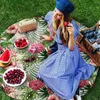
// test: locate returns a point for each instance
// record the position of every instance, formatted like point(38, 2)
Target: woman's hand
point(70, 29)
point(46, 38)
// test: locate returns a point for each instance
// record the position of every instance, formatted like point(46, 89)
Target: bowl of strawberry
point(14, 76)
point(21, 43)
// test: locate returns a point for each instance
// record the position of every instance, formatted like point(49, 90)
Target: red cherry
point(66, 24)
point(14, 76)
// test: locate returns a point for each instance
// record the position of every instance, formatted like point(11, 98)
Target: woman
point(63, 69)
point(48, 18)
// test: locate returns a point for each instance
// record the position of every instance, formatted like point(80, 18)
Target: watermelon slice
point(5, 56)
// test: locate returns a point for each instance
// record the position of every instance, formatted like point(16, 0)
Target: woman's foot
point(53, 97)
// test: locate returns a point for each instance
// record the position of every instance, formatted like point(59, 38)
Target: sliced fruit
point(5, 56)
point(5, 65)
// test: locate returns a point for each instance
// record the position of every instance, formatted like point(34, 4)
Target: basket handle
point(82, 39)
point(94, 51)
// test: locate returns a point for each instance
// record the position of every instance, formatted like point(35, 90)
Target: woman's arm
point(71, 41)
point(49, 38)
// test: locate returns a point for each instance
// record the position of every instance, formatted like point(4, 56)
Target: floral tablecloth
point(32, 88)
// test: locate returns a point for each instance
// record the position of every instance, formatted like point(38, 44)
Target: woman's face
point(57, 14)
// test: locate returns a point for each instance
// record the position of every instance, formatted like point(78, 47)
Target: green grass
point(86, 12)
point(12, 11)
point(94, 93)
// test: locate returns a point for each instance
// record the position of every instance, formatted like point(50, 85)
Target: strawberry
point(21, 42)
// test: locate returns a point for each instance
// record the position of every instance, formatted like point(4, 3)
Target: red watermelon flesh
point(5, 56)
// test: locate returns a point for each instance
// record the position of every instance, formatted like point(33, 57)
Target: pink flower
point(53, 97)
point(36, 84)
point(83, 83)
point(49, 52)
point(14, 63)
point(8, 89)
point(49, 91)
point(36, 48)
point(80, 49)
point(30, 59)
point(12, 29)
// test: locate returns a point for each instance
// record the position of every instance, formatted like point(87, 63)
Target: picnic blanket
point(33, 89)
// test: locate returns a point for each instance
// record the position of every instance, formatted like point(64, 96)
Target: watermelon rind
point(2, 65)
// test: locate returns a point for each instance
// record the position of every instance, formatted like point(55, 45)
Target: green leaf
point(43, 55)
point(1, 80)
point(6, 35)
point(5, 43)
point(44, 92)
point(3, 96)
point(2, 70)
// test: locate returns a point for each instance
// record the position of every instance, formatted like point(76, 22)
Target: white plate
point(21, 47)
point(13, 85)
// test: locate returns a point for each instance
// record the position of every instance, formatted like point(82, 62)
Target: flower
point(49, 91)
point(36, 84)
point(49, 52)
point(8, 89)
point(30, 59)
point(83, 83)
point(79, 48)
point(53, 97)
point(36, 48)
point(12, 29)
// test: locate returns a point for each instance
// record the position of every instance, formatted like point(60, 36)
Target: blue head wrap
point(64, 6)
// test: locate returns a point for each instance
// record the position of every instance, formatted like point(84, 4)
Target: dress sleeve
point(76, 29)
point(48, 18)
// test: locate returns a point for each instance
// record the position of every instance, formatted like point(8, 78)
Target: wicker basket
point(87, 46)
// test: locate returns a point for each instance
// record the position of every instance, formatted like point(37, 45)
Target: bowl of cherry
point(14, 77)
point(21, 43)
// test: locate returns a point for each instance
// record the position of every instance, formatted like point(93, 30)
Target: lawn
point(86, 12)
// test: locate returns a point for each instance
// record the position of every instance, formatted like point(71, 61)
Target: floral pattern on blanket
point(29, 59)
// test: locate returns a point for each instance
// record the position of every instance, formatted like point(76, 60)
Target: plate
point(14, 74)
point(21, 43)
